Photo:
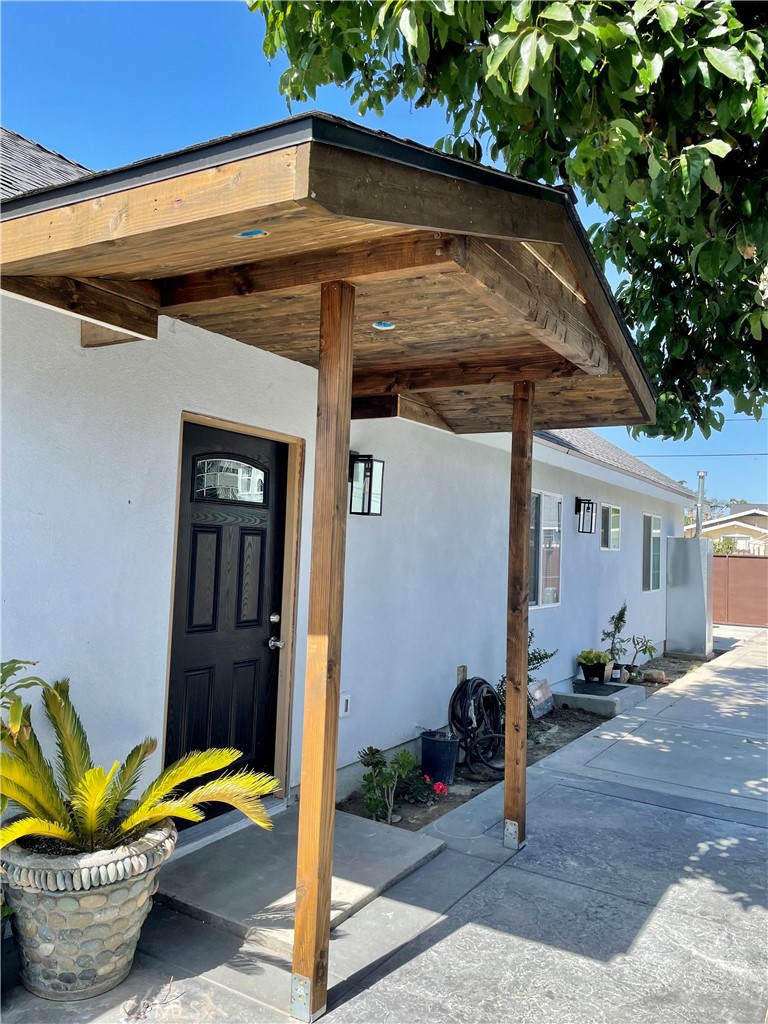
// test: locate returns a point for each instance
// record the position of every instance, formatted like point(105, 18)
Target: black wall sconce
point(586, 510)
point(366, 475)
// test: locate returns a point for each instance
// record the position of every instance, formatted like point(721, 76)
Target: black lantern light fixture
point(366, 476)
point(586, 510)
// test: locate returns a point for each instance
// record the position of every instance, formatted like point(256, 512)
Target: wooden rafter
point(554, 261)
point(126, 308)
point(602, 312)
point(212, 291)
point(515, 283)
point(406, 407)
point(395, 379)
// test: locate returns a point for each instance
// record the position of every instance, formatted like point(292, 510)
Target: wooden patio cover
point(502, 321)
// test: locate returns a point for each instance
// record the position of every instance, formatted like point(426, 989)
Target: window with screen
point(651, 552)
point(545, 547)
point(610, 527)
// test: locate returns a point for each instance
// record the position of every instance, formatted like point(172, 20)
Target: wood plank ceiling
point(484, 286)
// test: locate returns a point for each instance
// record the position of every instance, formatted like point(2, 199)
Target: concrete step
point(244, 883)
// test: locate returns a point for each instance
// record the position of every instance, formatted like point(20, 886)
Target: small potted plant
point(594, 664)
point(80, 869)
point(642, 645)
point(617, 644)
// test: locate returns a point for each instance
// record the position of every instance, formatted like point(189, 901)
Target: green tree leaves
point(656, 111)
point(728, 62)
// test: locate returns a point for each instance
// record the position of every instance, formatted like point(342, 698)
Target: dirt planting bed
point(555, 730)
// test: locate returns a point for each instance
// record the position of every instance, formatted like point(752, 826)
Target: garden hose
point(475, 716)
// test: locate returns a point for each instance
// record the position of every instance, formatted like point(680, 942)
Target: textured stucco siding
point(89, 481)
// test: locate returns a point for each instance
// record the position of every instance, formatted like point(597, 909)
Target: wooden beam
point(105, 304)
point(516, 285)
point(418, 409)
point(407, 407)
point(363, 187)
point(516, 728)
point(94, 336)
point(135, 216)
point(602, 311)
point(553, 259)
point(212, 291)
point(309, 983)
point(386, 380)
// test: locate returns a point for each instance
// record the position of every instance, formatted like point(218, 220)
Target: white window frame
point(650, 589)
point(611, 510)
point(537, 603)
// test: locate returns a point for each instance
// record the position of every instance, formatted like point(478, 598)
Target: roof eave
point(681, 492)
point(293, 131)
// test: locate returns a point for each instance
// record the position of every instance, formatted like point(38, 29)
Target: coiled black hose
point(475, 717)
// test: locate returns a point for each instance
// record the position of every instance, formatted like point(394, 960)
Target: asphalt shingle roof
point(25, 165)
point(593, 446)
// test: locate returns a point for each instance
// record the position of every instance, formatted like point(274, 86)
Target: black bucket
point(438, 755)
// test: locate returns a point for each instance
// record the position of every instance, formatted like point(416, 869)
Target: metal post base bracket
point(511, 836)
point(300, 992)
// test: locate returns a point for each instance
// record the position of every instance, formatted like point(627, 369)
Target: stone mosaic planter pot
point(77, 918)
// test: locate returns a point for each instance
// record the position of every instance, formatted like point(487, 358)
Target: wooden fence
point(741, 590)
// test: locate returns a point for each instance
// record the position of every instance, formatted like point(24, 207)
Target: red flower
point(427, 778)
point(440, 788)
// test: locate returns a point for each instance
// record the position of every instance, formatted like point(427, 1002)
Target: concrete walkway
point(640, 897)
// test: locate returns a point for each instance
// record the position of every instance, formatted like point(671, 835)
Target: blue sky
point(107, 83)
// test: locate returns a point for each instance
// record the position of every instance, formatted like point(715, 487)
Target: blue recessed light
point(253, 233)
point(383, 325)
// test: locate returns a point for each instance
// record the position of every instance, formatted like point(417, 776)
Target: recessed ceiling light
point(383, 325)
point(252, 233)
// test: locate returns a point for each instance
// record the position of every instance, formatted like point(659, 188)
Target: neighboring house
point(747, 528)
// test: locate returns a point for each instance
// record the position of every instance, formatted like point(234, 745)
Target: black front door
point(229, 564)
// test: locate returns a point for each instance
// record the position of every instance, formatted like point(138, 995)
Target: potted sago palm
point(80, 868)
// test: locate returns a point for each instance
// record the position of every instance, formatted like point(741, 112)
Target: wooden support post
point(317, 799)
point(517, 617)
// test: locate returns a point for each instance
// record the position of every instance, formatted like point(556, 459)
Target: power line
point(713, 455)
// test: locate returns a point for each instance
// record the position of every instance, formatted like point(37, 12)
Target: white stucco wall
point(89, 479)
point(89, 476)
point(426, 584)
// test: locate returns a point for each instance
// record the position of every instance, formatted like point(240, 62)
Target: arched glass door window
point(221, 479)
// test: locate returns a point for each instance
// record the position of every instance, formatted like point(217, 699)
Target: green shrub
point(381, 780)
point(537, 657)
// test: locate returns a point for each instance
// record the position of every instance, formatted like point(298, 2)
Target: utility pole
point(700, 503)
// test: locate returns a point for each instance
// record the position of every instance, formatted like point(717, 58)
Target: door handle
point(274, 644)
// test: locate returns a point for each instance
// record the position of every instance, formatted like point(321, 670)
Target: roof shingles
point(25, 166)
point(593, 446)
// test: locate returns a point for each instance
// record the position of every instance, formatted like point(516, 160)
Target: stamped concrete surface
point(152, 993)
point(640, 898)
point(641, 893)
point(704, 736)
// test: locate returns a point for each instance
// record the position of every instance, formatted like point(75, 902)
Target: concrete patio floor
point(245, 882)
point(640, 896)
